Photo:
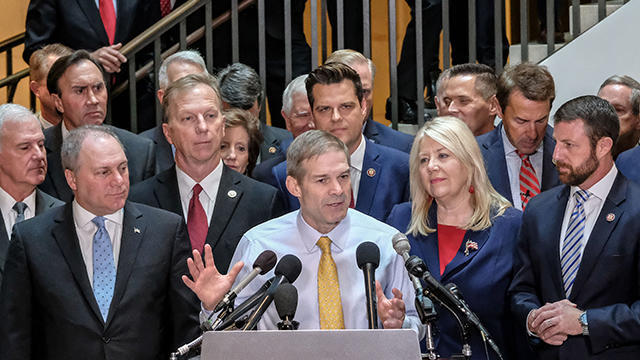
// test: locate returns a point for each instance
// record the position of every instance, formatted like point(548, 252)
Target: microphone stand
point(428, 316)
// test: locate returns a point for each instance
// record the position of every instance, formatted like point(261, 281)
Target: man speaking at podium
point(324, 234)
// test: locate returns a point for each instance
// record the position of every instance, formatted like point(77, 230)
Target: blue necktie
point(104, 269)
point(572, 246)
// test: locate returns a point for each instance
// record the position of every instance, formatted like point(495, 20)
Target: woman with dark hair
point(241, 142)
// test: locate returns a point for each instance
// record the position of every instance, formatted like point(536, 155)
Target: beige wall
point(12, 18)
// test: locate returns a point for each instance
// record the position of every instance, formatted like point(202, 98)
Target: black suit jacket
point(77, 23)
point(164, 155)
point(48, 307)
point(139, 152)
point(43, 203)
point(241, 203)
point(607, 284)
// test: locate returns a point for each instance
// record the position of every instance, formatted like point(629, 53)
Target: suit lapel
point(55, 172)
point(461, 259)
point(430, 242)
point(133, 229)
point(167, 193)
point(43, 202)
point(4, 244)
point(549, 172)
point(497, 168)
point(601, 232)
point(370, 130)
point(92, 13)
point(229, 194)
point(64, 232)
point(549, 237)
point(368, 178)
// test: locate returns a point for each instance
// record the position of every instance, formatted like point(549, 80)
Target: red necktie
point(351, 203)
point(165, 7)
point(108, 16)
point(197, 220)
point(529, 184)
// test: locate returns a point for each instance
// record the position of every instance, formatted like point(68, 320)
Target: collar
point(82, 217)
point(65, 131)
point(211, 181)
point(7, 201)
point(310, 236)
point(601, 188)
point(357, 158)
point(509, 148)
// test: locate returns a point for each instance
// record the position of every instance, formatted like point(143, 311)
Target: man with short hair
point(23, 166)
point(77, 83)
point(240, 87)
point(172, 68)
point(379, 174)
point(217, 203)
point(39, 64)
point(575, 286)
point(324, 234)
point(623, 93)
point(372, 130)
point(468, 92)
point(518, 153)
point(101, 273)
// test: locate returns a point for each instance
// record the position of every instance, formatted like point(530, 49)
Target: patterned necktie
point(108, 16)
point(529, 184)
point(572, 246)
point(104, 269)
point(197, 220)
point(19, 208)
point(352, 203)
point(329, 303)
point(165, 7)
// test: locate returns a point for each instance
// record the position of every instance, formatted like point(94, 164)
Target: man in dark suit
point(77, 83)
point(379, 174)
point(372, 130)
point(219, 204)
point(23, 166)
point(518, 152)
point(102, 274)
point(576, 284)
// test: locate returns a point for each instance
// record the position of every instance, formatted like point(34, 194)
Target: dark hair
point(533, 81)
point(240, 86)
point(62, 64)
point(485, 78)
point(631, 83)
point(244, 119)
point(599, 117)
point(332, 73)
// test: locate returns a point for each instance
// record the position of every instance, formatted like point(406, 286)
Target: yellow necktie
point(329, 303)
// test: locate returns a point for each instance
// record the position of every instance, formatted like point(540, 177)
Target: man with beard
point(576, 287)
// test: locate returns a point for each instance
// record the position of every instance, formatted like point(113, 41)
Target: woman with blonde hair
point(240, 145)
point(463, 230)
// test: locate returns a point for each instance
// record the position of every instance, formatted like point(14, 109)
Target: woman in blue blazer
point(463, 230)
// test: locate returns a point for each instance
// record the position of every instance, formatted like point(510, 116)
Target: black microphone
point(402, 247)
point(368, 258)
point(417, 267)
point(287, 270)
point(286, 300)
point(247, 305)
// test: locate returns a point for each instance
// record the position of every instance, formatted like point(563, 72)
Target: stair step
point(589, 14)
point(537, 53)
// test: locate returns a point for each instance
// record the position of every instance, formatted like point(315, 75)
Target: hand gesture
point(391, 311)
point(110, 57)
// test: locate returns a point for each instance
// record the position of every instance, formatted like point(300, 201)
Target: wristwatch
point(584, 323)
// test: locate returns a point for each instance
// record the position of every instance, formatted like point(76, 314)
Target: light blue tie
point(104, 269)
point(572, 246)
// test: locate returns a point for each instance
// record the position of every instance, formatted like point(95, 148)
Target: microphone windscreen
point(286, 299)
point(265, 261)
point(289, 267)
point(368, 253)
point(400, 243)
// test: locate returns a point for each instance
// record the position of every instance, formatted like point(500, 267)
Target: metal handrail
point(12, 42)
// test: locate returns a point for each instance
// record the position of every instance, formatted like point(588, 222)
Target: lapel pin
point(232, 194)
point(272, 149)
point(611, 217)
point(371, 172)
point(470, 246)
point(136, 230)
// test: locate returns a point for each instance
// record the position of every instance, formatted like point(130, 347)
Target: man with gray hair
point(172, 68)
point(104, 272)
point(623, 93)
point(23, 166)
point(240, 87)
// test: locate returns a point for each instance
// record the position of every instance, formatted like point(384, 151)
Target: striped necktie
point(572, 246)
point(529, 184)
point(329, 301)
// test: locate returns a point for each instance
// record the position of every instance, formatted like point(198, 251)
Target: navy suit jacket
point(483, 277)
point(48, 308)
point(262, 171)
point(496, 164)
point(43, 203)
point(607, 284)
point(628, 163)
point(384, 135)
point(164, 154)
point(139, 152)
point(384, 181)
point(273, 137)
point(241, 203)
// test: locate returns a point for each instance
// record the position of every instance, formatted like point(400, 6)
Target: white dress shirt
point(9, 215)
point(357, 158)
point(86, 229)
point(290, 234)
point(514, 162)
point(210, 185)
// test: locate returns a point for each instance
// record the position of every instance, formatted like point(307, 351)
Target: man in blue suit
point(518, 152)
point(379, 174)
point(576, 287)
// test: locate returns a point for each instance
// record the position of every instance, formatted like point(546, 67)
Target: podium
point(311, 345)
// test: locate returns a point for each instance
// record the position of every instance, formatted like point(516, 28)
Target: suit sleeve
point(150, 161)
point(15, 304)
point(40, 27)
